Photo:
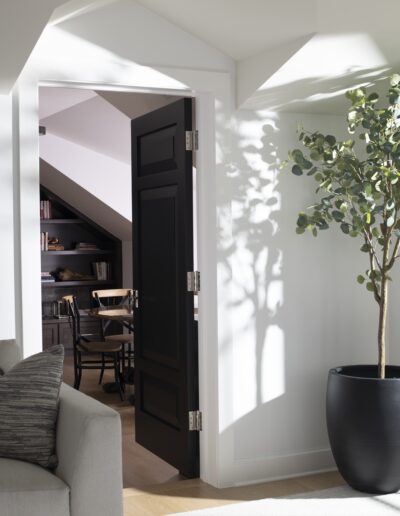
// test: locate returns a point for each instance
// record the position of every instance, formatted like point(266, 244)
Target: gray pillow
point(29, 395)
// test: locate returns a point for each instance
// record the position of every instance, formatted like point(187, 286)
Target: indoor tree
point(359, 189)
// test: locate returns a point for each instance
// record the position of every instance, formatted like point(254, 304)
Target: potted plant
point(360, 191)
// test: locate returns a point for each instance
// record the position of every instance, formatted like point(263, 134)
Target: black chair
point(89, 354)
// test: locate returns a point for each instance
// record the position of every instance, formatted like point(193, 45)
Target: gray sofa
point(88, 479)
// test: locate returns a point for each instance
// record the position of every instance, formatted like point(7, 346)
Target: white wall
point(7, 313)
point(296, 309)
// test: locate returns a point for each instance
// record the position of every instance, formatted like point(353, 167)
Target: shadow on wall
point(285, 288)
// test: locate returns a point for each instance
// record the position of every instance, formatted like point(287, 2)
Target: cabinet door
point(50, 335)
point(65, 336)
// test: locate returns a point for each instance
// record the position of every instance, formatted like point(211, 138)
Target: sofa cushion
point(28, 408)
point(30, 490)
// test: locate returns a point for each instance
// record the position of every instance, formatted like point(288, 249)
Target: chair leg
point(78, 373)
point(117, 378)
point(75, 369)
point(102, 368)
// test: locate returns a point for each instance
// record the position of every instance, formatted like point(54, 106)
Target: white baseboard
point(280, 467)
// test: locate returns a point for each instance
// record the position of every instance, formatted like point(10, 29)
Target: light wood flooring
point(153, 488)
point(189, 495)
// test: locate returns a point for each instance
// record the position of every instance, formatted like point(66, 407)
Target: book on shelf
point(46, 211)
point(46, 277)
point(44, 241)
point(86, 246)
point(55, 247)
point(102, 270)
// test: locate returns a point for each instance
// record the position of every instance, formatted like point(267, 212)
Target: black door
point(166, 365)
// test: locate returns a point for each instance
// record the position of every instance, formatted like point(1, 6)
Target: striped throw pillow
point(29, 395)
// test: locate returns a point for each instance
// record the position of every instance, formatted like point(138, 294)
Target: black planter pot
point(363, 417)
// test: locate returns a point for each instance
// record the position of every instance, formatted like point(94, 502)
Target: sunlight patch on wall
point(273, 364)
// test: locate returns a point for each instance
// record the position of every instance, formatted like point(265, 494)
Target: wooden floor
point(153, 488)
point(189, 495)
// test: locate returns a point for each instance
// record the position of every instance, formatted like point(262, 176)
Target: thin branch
point(372, 267)
point(394, 254)
point(368, 241)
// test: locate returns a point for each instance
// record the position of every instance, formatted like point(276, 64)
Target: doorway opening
point(85, 176)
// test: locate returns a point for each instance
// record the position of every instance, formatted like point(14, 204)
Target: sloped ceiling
point(85, 202)
point(21, 24)
point(317, 48)
point(97, 120)
point(239, 28)
point(87, 145)
point(343, 44)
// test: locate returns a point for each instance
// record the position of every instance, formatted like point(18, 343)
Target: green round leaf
point(345, 228)
point(302, 221)
point(360, 279)
point(296, 170)
point(370, 286)
point(297, 156)
point(373, 97)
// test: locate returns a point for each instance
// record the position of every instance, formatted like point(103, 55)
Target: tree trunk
point(382, 326)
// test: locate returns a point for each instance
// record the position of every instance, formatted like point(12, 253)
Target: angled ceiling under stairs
point(85, 202)
point(86, 152)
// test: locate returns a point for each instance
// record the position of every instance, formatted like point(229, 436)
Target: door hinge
point(195, 421)
point(192, 140)
point(193, 281)
point(136, 298)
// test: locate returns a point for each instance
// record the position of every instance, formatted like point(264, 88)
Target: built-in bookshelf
point(77, 257)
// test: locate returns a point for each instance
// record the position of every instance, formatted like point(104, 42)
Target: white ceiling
point(97, 120)
point(21, 24)
point(344, 42)
point(54, 100)
point(239, 28)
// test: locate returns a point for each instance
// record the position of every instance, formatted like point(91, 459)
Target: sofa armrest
point(89, 453)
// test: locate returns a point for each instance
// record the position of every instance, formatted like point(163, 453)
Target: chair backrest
point(113, 296)
point(73, 312)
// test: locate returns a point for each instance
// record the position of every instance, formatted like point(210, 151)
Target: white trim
point(115, 87)
point(251, 471)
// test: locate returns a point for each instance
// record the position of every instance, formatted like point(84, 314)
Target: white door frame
point(27, 227)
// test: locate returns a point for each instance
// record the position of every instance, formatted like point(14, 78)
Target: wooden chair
point(104, 355)
point(117, 297)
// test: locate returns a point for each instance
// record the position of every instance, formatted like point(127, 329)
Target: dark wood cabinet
point(74, 231)
point(59, 331)
point(50, 335)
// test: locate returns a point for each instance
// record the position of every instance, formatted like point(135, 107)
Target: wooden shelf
point(87, 283)
point(61, 221)
point(72, 252)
